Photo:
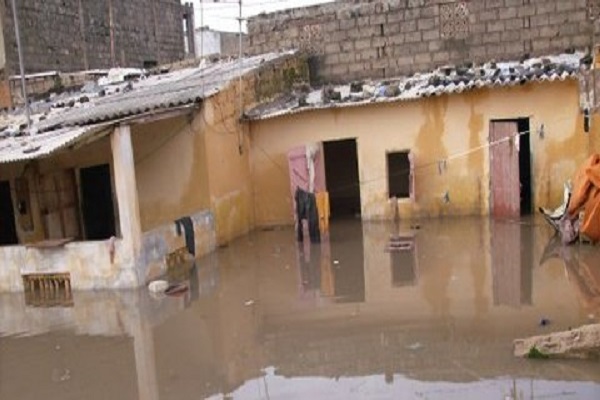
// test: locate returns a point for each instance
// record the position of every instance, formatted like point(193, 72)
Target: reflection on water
point(269, 318)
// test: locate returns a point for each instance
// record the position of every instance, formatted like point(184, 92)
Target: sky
point(222, 15)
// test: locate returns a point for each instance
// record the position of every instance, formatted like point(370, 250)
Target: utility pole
point(21, 67)
point(201, 28)
point(240, 72)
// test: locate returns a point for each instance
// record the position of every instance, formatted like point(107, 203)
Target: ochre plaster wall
point(433, 129)
point(228, 164)
point(170, 166)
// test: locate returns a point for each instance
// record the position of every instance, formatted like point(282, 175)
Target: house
point(210, 42)
point(493, 138)
point(110, 182)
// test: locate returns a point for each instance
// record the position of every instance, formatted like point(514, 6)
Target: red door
point(299, 167)
point(504, 171)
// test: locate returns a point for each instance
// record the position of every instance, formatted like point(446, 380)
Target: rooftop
point(444, 80)
point(62, 119)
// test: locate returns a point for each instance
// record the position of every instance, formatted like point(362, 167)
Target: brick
point(562, 6)
point(368, 54)
point(397, 39)
point(429, 12)
point(435, 45)
point(515, 48)
point(441, 57)
point(513, 3)
point(513, 24)
point(395, 17)
point(496, 26)
point(431, 35)
point(507, 13)
point(526, 11)
point(541, 44)
point(548, 31)
point(379, 41)
point(426, 24)
point(494, 4)
point(488, 15)
point(405, 60)
point(362, 44)
point(412, 37)
point(545, 8)
point(491, 38)
point(332, 48)
point(347, 24)
point(377, 19)
point(539, 20)
point(339, 69)
point(408, 26)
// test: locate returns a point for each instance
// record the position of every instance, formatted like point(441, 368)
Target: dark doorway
point(8, 230)
point(524, 166)
point(341, 174)
point(97, 202)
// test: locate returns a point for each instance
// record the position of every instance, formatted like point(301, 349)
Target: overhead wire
point(416, 168)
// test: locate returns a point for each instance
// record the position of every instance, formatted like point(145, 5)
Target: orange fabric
point(586, 196)
point(591, 218)
point(582, 184)
point(322, 200)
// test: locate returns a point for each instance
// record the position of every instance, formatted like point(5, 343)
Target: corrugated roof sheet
point(444, 80)
point(158, 92)
point(23, 148)
point(65, 119)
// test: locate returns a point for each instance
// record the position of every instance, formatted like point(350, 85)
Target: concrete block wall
point(385, 38)
point(71, 35)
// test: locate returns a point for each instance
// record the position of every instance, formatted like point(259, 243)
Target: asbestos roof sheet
point(444, 80)
point(156, 92)
point(23, 148)
point(67, 118)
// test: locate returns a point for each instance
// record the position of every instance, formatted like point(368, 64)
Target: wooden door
point(59, 205)
point(504, 169)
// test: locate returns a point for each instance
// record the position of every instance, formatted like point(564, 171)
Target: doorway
point(510, 169)
point(8, 230)
point(341, 174)
point(97, 202)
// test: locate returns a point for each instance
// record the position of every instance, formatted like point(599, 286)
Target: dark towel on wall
point(188, 229)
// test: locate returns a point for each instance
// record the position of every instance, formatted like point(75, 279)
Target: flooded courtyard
point(270, 318)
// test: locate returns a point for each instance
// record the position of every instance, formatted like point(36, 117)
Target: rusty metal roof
point(444, 80)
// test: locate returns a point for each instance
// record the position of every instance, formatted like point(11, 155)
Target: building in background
point(212, 42)
point(78, 35)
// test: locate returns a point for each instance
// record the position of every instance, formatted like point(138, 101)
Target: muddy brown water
point(267, 318)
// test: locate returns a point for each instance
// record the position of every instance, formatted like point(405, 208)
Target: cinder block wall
point(384, 38)
point(72, 35)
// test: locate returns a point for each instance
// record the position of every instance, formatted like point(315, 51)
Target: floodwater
point(267, 318)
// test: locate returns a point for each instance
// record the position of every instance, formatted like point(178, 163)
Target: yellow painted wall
point(436, 128)
point(228, 165)
point(170, 166)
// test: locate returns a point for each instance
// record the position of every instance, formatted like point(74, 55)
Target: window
point(400, 174)
point(454, 20)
